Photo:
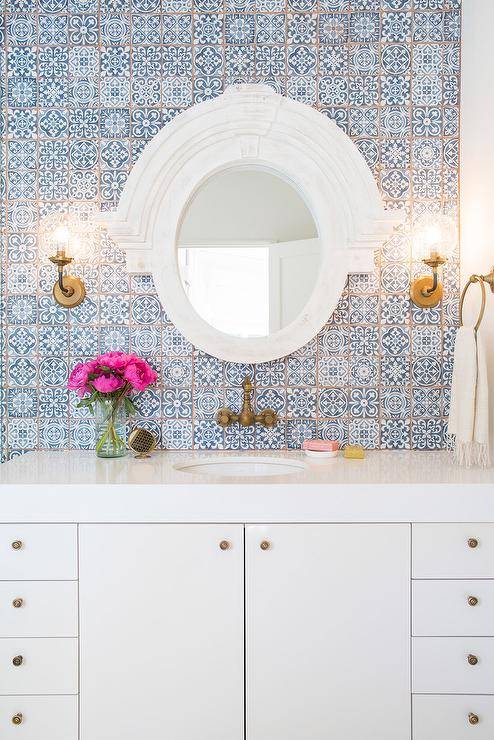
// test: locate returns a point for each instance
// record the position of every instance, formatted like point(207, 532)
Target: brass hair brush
point(142, 442)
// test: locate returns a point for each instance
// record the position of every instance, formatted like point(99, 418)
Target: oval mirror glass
point(248, 252)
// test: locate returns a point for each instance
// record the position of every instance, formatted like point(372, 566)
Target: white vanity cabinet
point(324, 623)
point(327, 625)
point(162, 621)
point(139, 606)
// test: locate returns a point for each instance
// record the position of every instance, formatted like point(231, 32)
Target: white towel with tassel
point(469, 411)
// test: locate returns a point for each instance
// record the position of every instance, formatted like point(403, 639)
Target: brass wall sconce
point(267, 417)
point(433, 240)
point(68, 291)
point(426, 291)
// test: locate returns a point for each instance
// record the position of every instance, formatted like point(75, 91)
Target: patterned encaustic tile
point(85, 84)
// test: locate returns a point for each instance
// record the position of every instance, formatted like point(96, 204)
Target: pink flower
point(79, 378)
point(116, 361)
point(109, 373)
point(108, 383)
point(139, 374)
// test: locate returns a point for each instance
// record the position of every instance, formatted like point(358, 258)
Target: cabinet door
point(161, 632)
point(328, 632)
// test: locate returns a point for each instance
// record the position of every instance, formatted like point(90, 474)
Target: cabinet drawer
point(48, 609)
point(443, 608)
point(38, 666)
point(453, 665)
point(448, 717)
point(31, 552)
point(453, 551)
point(42, 717)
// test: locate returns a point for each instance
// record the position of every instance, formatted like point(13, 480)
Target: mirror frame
point(251, 125)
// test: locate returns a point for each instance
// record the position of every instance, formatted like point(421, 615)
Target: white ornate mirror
point(250, 210)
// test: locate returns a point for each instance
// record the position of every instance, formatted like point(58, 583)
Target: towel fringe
point(468, 454)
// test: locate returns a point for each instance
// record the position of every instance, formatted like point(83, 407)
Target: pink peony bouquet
point(106, 383)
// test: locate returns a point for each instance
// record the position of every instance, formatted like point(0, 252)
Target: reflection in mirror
point(248, 252)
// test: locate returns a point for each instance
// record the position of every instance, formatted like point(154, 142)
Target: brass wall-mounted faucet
point(247, 417)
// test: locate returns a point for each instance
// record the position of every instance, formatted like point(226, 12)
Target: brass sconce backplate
point(419, 292)
point(73, 294)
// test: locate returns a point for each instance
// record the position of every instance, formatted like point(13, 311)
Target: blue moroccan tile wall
point(86, 83)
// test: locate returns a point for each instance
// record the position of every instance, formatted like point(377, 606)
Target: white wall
point(477, 160)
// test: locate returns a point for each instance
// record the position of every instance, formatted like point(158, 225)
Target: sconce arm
point(68, 291)
point(435, 281)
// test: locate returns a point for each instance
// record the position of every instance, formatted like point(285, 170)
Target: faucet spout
point(247, 416)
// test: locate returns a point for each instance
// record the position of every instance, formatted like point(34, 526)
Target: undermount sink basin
point(250, 467)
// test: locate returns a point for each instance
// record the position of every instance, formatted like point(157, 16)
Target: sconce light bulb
point(62, 234)
point(433, 236)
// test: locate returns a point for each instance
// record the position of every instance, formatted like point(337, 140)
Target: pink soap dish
point(320, 448)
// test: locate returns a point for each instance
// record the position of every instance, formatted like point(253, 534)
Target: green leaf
point(129, 406)
point(84, 402)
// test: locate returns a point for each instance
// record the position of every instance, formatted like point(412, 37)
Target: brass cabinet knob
point(473, 601)
point(473, 718)
point(18, 660)
point(472, 659)
point(16, 544)
point(224, 545)
point(17, 719)
point(473, 543)
point(17, 603)
point(265, 545)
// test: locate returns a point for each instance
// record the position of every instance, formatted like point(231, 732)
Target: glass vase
point(111, 424)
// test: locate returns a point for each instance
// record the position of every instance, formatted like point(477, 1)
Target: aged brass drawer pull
point(17, 603)
point(18, 660)
point(17, 719)
point(224, 545)
point(265, 545)
point(473, 718)
point(472, 659)
point(473, 601)
point(473, 543)
point(16, 544)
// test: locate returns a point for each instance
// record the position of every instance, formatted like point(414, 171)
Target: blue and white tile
point(333, 371)
point(363, 403)
point(22, 402)
point(21, 371)
point(395, 371)
point(333, 340)
point(364, 432)
point(207, 402)
point(428, 434)
point(177, 372)
point(395, 434)
point(301, 403)
point(176, 434)
point(273, 438)
point(208, 435)
point(53, 403)
point(298, 430)
point(273, 398)
point(177, 403)
point(332, 403)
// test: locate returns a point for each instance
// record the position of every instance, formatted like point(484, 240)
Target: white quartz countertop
point(75, 486)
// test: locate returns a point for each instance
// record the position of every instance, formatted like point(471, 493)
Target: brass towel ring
point(474, 279)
